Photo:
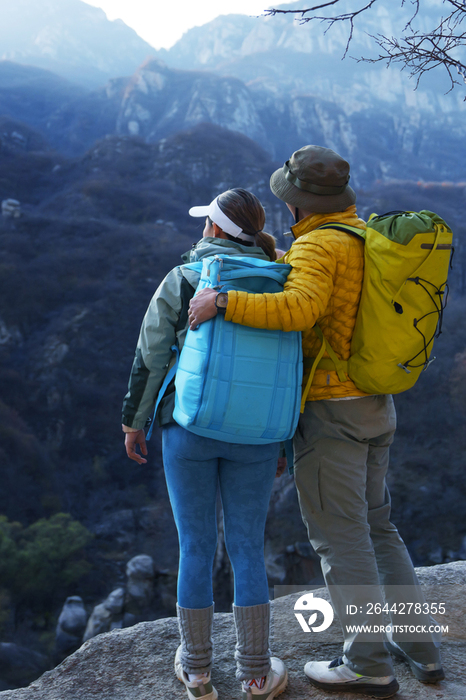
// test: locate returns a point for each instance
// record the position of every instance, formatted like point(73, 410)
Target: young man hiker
point(341, 446)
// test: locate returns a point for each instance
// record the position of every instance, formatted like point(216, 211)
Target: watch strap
point(220, 308)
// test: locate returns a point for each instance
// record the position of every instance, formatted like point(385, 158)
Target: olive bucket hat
point(315, 179)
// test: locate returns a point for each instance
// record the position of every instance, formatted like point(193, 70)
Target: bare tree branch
point(345, 17)
point(419, 52)
point(315, 8)
point(415, 14)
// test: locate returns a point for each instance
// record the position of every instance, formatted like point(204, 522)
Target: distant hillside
point(33, 95)
point(157, 101)
point(154, 102)
point(71, 38)
point(96, 236)
point(78, 269)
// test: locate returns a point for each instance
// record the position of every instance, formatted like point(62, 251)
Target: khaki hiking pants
point(341, 459)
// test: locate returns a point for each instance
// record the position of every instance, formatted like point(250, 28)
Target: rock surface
point(71, 626)
point(11, 208)
point(136, 663)
point(125, 607)
point(141, 573)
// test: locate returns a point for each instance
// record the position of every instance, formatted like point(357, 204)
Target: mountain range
point(70, 38)
point(277, 82)
point(157, 101)
point(282, 55)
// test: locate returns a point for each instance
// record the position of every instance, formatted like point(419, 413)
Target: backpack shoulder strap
point(333, 362)
point(319, 362)
point(345, 228)
point(168, 378)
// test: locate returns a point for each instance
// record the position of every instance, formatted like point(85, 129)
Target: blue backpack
point(234, 383)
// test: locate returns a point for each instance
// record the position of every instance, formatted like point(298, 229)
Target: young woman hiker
point(196, 466)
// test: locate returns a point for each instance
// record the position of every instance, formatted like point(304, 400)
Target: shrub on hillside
point(40, 563)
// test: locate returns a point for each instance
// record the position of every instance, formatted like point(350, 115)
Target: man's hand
point(133, 439)
point(202, 307)
point(281, 466)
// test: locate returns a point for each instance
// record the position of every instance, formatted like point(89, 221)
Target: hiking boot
point(335, 675)
point(198, 688)
point(269, 686)
point(426, 673)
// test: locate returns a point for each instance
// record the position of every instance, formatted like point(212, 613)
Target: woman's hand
point(202, 307)
point(281, 466)
point(131, 440)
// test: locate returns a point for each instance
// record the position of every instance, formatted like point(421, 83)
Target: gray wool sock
point(195, 625)
point(252, 646)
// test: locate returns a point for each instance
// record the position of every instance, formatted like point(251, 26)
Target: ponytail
point(245, 210)
point(267, 243)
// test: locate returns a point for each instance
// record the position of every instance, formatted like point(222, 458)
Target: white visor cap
point(216, 215)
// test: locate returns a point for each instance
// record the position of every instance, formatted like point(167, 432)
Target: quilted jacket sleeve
point(306, 293)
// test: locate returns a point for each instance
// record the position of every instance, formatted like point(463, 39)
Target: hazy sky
point(162, 22)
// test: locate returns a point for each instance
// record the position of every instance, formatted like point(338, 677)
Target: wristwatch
point(221, 302)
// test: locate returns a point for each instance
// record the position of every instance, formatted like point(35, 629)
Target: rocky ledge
point(137, 663)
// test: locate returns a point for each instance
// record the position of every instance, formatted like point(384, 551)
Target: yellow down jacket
point(323, 287)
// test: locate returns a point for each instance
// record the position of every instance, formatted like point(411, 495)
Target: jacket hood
point(220, 246)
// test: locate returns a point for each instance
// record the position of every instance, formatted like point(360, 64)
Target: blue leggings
point(194, 467)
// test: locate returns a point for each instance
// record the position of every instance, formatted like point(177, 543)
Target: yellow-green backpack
point(407, 257)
